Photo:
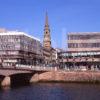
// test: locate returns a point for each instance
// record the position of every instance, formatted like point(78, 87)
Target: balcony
point(80, 60)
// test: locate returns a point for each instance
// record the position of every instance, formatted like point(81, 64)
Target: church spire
point(47, 37)
point(46, 20)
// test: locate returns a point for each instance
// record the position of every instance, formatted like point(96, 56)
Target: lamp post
point(73, 62)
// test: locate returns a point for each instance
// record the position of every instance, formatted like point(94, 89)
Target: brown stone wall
point(6, 81)
point(62, 76)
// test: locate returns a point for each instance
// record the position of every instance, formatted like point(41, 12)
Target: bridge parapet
point(30, 68)
point(37, 68)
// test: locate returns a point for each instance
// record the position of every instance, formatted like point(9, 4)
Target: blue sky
point(64, 16)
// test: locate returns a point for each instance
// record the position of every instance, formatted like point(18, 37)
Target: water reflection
point(52, 91)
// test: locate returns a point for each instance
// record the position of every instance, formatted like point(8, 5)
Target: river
point(52, 91)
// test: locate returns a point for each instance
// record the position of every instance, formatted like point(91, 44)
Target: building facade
point(19, 48)
point(83, 51)
point(84, 41)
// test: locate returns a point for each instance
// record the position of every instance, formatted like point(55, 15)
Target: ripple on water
point(52, 91)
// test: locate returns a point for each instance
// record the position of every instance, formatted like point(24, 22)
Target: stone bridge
point(13, 75)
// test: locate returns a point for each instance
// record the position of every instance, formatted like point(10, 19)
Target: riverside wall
point(53, 76)
point(73, 76)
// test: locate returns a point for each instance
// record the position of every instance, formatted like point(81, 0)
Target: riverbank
point(73, 76)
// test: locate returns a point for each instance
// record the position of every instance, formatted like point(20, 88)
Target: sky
point(64, 16)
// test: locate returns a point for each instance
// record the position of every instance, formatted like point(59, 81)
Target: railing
point(37, 68)
point(81, 60)
point(45, 68)
point(30, 67)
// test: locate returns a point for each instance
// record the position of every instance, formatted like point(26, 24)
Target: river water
point(52, 91)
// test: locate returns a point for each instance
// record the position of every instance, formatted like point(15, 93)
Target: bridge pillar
point(34, 78)
point(6, 81)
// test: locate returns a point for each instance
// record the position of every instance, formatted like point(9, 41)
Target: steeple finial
point(46, 20)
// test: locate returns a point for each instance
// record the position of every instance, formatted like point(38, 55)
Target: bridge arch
point(1, 78)
point(20, 78)
point(10, 76)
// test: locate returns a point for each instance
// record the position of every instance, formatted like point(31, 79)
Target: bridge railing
point(36, 67)
point(30, 67)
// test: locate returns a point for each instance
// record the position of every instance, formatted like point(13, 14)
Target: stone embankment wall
point(64, 76)
point(54, 76)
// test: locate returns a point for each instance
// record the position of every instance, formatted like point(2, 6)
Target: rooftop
point(17, 33)
point(83, 33)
